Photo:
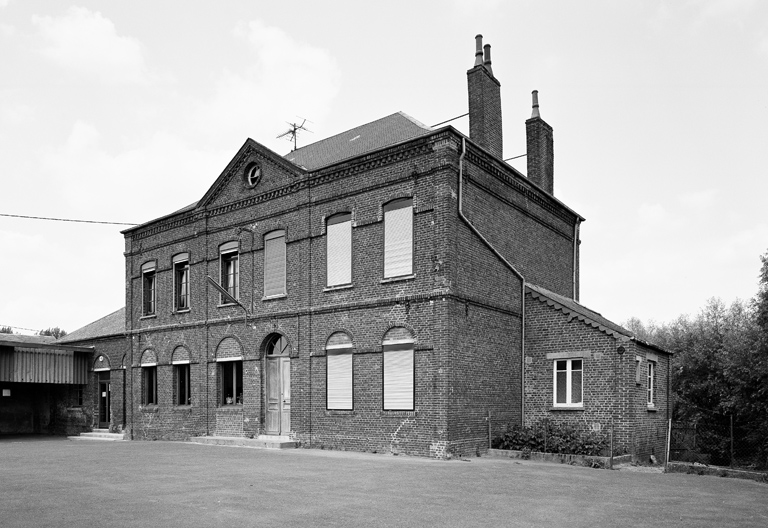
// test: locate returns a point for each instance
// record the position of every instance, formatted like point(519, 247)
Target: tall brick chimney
point(484, 101)
point(541, 149)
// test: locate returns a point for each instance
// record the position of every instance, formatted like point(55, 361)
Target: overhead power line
point(66, 220)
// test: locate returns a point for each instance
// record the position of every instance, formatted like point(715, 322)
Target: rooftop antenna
point(293, 131)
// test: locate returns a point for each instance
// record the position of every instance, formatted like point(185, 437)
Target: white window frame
point(181, 266)
point(148, 273)
point(269, 247)
point(230, 252)
point(651, 387)
point(338, 250)
point(398, 252)
point(568, 404)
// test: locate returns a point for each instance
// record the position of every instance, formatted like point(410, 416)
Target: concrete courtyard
point(46, 481)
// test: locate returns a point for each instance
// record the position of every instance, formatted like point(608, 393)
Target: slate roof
point(584, 314)
point(16, 339)
point(109, 325)
point(384, 132)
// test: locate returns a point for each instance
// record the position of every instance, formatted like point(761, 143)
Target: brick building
point(393, 288)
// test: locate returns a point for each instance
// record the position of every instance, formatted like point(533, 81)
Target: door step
point(263, 441)
point(100, 434)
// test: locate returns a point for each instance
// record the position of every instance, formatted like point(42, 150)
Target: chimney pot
point(478, 50)
point(535, 112)
point(487, 60)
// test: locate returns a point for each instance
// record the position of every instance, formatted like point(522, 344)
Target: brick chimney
point(484, 101)
point(541, 149)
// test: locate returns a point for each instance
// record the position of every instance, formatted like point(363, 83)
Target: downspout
point(207, 335)
point(508, 265)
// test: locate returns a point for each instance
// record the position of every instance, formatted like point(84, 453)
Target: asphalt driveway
point(57, 482)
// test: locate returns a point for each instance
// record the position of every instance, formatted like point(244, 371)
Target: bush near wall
point(546, 437)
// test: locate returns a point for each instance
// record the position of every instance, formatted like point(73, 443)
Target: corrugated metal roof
point(384, 132)
point(112, 324)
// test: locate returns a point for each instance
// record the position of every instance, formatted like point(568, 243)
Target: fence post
point(490, 443)
point(669, 443)
point(731, 439)
point(611, 464)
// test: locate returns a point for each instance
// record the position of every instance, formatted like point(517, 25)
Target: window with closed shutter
point(398, 379)
point(398, 238)
point(339, 249)
point(274, 263)
point(339, 364)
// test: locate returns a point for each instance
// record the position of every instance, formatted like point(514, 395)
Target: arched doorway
point(278, 373)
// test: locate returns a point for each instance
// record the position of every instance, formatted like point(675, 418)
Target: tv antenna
point(293, 131)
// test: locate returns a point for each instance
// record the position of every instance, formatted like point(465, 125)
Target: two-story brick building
point(393, 288)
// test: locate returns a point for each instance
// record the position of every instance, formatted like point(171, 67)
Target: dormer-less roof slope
point(109, 325)
point(24, 340)
point(375, 135)
point(575, 310)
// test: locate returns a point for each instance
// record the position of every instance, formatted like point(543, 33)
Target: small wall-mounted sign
point(6, 392)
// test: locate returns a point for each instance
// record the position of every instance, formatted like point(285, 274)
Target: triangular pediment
point(253, 171)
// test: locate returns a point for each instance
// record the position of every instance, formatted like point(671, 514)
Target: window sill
point(339, 412)
point(394, 412)
point(398, 279)
point(151, 408)
point(652, 409)
point(274, 297)
point(338, 287)
point(184, 311)
point(581, 408)
point(148, 316)
point(225, 305)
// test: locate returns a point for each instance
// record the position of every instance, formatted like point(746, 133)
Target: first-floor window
point(651, 384)
point(181, 281)
point(398, 378)
point(183, 394)
point(231, 382)
point(149, 375)
point(568, 376)
point(148, 289)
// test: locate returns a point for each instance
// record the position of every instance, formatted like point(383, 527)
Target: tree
point(54, 331)
point(6, 330)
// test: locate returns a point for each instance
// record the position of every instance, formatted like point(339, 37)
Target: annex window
point(338, 355)
point(149, 382)
point(398, 366)
point(231, 382)
point(183, 394)
point(651, 383)
point(181, 281)
point(230, 270)
point(398, 238)
point(274, 263)
point(148, 283)
point(339, 249)
point(568, 377)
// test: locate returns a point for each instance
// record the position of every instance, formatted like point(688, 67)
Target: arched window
point(149, 377)
point(339, 372)
point(278, 346)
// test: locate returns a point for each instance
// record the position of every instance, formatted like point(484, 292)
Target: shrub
point(546, 437)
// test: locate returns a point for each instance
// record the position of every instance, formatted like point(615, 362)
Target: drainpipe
point(576, 227)
point(508, 265)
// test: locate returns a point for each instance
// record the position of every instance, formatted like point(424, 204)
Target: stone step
point(99, 434)
point(263, 441)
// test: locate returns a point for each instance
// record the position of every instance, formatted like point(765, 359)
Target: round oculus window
point(253, 175)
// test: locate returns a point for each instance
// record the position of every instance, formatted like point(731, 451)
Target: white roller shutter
point(274, 264)
point(398, 380)
point(398, 241)
point(339, 251)
point(339, 380)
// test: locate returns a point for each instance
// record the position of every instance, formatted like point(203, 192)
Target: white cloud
point(715, 9)
point(699, 199)
point(286, 78)
point(86, 43)
point(83, 136)
point(4, 3)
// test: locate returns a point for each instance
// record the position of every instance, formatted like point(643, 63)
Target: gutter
point(508, 265)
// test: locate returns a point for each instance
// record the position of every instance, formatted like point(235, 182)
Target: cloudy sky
point(125, 111)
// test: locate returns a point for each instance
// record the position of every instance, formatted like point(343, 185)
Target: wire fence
point(720, 440)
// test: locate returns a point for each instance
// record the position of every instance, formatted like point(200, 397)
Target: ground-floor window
point(149, 381)
point(651, 384)
point(231, 382)
point(399, 379)
point(568, 382)
point(183, 393)
point(339, 365)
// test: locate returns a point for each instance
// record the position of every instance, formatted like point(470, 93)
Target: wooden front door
point(278, 395)
point(104, 403)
